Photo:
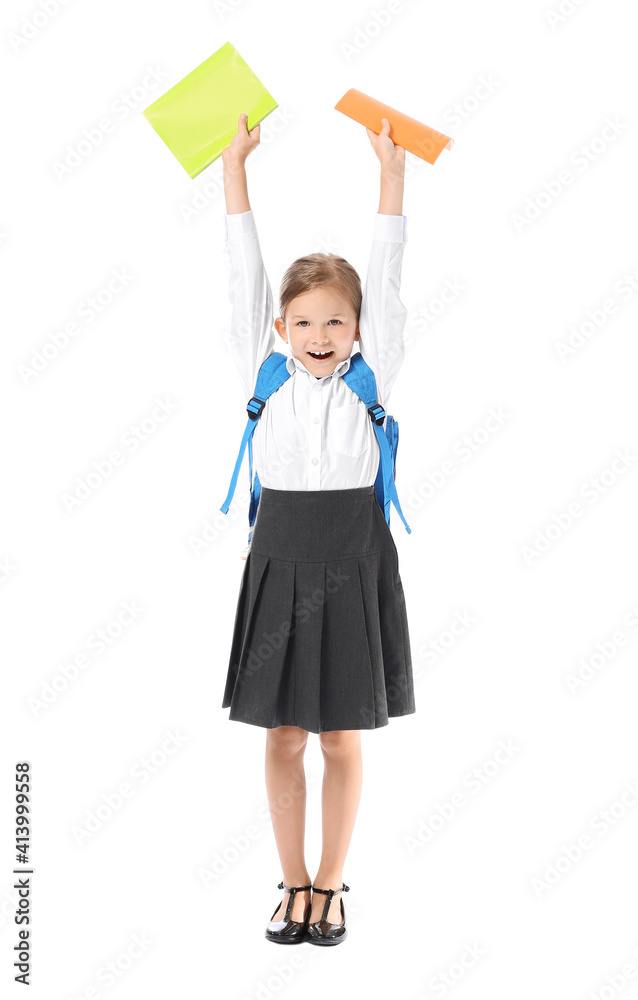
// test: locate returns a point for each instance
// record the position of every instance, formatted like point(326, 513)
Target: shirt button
point(314, 461)
point(316, 420)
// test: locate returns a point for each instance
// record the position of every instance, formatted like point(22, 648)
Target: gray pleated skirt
point(320, 639)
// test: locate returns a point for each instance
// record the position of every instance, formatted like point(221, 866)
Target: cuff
point(239, 225)
point(391, 228)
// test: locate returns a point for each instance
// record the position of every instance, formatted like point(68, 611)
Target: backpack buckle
point(254, 407)
point(377, 413)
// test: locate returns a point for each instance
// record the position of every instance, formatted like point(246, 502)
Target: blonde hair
point(318, 270)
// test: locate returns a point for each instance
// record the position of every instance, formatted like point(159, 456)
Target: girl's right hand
point(242, 143)
point(391, 156)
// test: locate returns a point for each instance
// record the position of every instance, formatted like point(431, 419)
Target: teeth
point(320, 353)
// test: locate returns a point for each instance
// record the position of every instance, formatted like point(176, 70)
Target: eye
point(301, 321)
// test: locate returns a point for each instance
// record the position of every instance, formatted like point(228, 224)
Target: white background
point(533, 95)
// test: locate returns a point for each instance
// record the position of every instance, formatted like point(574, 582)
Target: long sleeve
point(251, 327)
point(383, 314)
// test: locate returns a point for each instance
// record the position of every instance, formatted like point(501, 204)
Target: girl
point(320, 641)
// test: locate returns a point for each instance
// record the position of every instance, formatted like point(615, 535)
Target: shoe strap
point(291, 898)
point(330, 893)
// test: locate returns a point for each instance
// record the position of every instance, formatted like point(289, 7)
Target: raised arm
point(234, 160)
point(383, 314)
point(392, 160)
point(251, 327)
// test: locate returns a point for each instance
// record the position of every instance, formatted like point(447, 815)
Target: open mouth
point(320, 355)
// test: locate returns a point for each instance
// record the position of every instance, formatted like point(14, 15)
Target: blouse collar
point(292, 362)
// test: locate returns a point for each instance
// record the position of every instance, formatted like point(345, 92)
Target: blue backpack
point(360, 378)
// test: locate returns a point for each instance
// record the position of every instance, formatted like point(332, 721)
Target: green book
point(197, 118)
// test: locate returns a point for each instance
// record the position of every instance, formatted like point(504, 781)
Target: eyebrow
point(332, 316)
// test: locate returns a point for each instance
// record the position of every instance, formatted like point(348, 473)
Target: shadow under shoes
point(323, 931)
point(287, 930)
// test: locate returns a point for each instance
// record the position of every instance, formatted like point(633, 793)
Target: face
point(322, 320)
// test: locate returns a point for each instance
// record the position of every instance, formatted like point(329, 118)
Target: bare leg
point(286, 789)
point(340, 796)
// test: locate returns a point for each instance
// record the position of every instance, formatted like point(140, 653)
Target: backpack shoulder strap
point(360, 378)
point(271, 376)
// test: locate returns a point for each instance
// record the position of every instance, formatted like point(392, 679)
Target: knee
point(286, 741)
point(340, 742)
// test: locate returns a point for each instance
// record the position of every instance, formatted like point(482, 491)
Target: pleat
point(368, 578)
point(249, 588)
point(301, 692)
point(347, 699)
point(266, 636)
point(395, 644)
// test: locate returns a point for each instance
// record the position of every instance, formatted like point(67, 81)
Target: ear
point(356, 336)
point(281, 328)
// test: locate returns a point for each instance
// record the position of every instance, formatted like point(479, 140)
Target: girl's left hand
point(391, 157)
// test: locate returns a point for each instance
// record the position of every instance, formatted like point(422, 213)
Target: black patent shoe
point(323, 931)
point(288, 931)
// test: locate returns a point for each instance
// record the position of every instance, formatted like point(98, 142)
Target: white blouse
point(315, 433)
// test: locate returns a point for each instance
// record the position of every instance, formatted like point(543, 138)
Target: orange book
point(420, 139)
